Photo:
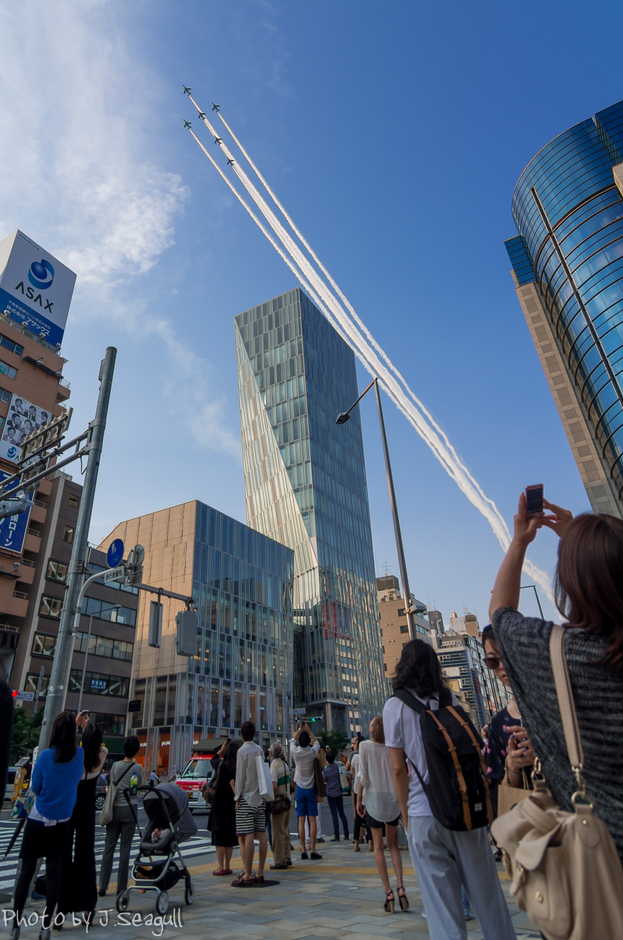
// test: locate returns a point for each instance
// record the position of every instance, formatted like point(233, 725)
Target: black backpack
point(458, 789)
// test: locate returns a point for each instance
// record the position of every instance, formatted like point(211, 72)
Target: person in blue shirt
point(54, 782)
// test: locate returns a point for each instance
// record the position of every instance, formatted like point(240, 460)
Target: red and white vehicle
point(198, 771)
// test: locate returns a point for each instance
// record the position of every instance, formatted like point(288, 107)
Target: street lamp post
point(342, 418)
point(538, 599)
point(86, 652)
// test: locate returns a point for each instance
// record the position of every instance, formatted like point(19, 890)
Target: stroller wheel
point(189, 893)
point(123, 901)
point(162, 903)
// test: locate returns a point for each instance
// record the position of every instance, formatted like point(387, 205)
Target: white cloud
point(77, 172)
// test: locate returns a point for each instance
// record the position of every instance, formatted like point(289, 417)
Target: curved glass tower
point(568, 270)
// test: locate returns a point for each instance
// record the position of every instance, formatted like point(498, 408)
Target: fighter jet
point(216, 107)
point(201, 115)
point(186, 90)
point(230, 162)
point(187, 124)
point(218, 140)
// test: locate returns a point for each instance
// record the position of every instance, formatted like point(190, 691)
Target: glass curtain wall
point(305, 485)
point(569, 215)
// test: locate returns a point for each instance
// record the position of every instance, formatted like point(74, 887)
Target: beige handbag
point(508, 796)
point(565, 868)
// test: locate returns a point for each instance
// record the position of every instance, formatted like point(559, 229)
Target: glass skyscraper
point(305, 486)
point(568, 270)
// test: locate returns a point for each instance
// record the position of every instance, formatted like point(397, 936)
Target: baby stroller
point(156, 867)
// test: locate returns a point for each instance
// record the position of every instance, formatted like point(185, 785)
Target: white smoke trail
point(366, 348)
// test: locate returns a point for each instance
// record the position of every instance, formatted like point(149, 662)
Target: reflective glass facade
point(243, 662)
point(569, 215)
point(305, 486)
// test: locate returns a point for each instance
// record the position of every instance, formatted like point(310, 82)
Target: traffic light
point(134, 565)
point(186, 633)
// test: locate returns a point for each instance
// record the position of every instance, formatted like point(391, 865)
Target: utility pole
point(62, 658)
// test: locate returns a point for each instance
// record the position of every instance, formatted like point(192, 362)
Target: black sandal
point(388, 907)
point(403, 900)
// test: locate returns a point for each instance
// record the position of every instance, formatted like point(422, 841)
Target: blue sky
point(394, 134)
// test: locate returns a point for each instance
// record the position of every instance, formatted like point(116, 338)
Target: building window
point(68, 534)
point(43, 645)
point(98, 683)
point(32, 681)
point(6, 369)
point(404, 628)
point(74, 500)
point(103, 611)
point(109, 724)
point(402, 612)
point(385, 666)
point(57, 571)
point(50, 606)
point(103, 646)
point(5, 395)
point(10, 345)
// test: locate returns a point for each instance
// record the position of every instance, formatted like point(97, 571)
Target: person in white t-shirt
point(303, 749)
point(443, 858)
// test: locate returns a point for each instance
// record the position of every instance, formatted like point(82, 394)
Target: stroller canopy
point(176, 801)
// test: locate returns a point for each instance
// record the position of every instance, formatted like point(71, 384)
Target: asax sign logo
point(35, 288)
point(41, 275)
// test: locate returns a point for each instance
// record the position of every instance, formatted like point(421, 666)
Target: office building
point(101, 664)
point(394, 626)
point(567, 265)
point(242, 667)
point(305, 485)
point(35, 294)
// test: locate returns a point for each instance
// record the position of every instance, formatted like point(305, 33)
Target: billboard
point(13, 528)
point(22, 419)
point(35, 288)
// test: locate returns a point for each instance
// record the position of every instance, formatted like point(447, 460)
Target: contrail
point(353, 330)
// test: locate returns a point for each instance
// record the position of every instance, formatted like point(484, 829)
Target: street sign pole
point(57, 688)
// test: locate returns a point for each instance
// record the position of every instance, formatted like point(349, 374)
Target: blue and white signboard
point(35, 288)
point(114, 555)
point(13, 528)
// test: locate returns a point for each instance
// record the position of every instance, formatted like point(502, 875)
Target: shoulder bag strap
point(566, 704)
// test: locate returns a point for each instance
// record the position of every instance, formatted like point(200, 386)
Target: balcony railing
point(22, 596)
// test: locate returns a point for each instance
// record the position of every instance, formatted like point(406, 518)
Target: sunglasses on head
point(492, 661)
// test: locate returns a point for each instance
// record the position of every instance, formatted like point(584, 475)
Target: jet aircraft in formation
point(216, 107)
point(186, 90)
point(187, 124)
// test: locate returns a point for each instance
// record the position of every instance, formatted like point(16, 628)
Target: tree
point(336, 740)
point(26, 732)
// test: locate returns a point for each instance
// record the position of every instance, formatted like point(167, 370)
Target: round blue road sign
point(115, 553)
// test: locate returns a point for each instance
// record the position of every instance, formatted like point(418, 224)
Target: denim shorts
point(306, 801)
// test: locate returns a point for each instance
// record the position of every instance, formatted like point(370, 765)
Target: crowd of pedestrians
point(424, 766)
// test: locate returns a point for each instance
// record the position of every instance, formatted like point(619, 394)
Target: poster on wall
point(13, 528)
point(35, 287)
point(22, 419)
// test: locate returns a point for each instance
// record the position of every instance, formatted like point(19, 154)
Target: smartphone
point(534, 499)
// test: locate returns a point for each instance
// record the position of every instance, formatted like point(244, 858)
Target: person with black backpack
point(443, 797)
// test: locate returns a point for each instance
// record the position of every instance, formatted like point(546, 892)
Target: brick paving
point(340, 896)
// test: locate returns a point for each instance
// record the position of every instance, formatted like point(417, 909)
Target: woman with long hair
point(54, 781)
point(352, 768)
point(78, 879)
point(222, 818)
point(377, 799)
point(589, 596)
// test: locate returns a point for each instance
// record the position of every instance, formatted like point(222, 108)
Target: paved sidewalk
point(338, 897)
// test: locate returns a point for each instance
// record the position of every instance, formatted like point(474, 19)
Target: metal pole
point(86, 652)
point(84, 667)
point(41, 675)
point(402, 565)
point(62, 660)
point(538, 599)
